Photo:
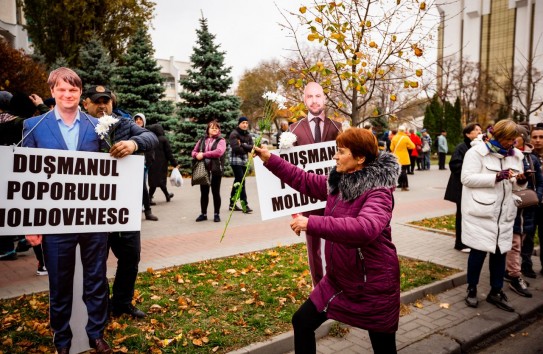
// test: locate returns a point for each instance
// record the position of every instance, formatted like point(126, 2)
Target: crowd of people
point(352, 259)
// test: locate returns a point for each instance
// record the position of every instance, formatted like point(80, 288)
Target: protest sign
point(47, 191)
point(278, 199)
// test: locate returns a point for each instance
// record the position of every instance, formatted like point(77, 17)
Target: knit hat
point(401, 128)
point(242, 119)
point(142, 116)
point(423, 130)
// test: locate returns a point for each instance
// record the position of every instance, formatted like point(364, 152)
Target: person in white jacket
point(491, 170)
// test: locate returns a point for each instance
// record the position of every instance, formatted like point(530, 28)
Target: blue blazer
point(46, 133)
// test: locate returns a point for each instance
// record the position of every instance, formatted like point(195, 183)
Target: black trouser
point(162, 187)
point(459, 245)
point(126, 246)
point(307, 319)
point(215, 190)
point(402, 179)
point(38, 251)
point(441, 158)
point(146, 201)
point(239, 171)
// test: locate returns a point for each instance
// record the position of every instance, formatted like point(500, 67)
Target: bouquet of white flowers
point(103, 128)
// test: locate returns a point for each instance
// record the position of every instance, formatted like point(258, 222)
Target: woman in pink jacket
point(211, 148)
point(362, 283)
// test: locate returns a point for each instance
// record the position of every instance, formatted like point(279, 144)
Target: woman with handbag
point(211, 149)
point(490, 172)
point(525, 220)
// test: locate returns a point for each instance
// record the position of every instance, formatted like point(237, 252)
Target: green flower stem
point(236, 196)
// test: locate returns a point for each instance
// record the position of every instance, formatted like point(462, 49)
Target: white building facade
point(492, 33)
point(11, 25)
point(172, 70)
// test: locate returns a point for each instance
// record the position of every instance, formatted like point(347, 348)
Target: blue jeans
point(426, 161)
point(496, 266)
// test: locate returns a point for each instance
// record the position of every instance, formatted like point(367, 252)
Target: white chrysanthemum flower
point(104, 124)
point(276, 98)
point(287, 140)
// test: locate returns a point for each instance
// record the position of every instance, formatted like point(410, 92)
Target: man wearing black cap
point(126, 245)
point(241, 144)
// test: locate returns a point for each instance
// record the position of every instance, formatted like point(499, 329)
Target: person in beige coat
point(399, 146)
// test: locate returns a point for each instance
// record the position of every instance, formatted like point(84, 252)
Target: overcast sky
point(247, 30)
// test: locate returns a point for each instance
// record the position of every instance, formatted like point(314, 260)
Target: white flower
point(287, 140)
point(104, 124)
point(276, 98)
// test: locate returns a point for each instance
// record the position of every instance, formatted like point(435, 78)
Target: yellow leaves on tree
point(303, 9)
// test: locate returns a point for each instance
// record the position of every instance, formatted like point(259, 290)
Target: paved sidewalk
point(177, 239)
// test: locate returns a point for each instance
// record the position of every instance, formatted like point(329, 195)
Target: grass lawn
point(443, 223)
point(211, 306)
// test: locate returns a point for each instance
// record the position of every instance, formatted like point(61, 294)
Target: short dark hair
point(469, 128)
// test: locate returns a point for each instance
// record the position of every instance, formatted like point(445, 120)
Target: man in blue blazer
point(67, 128)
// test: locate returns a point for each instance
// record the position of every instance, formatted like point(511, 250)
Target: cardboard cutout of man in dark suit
point(305, 131)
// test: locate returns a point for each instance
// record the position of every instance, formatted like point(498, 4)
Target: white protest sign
point(47, 191)
point(278, 199)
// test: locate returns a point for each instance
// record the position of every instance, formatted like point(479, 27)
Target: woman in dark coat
point(158, 171)
point(453, 192)
point(362, 282)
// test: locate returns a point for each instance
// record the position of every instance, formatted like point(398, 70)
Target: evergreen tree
point(433, 117)
point(204, 96)
point(59, 63)
point(96, 66)
point(453, 124)
point(138, 83)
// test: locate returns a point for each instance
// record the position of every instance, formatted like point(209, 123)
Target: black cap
point(95, 92)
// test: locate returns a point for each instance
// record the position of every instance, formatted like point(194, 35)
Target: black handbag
point(200, 171)
point(200, 174)
point(527, 197)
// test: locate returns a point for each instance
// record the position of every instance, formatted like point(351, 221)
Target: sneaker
point(507, 277)
point(216, 218)
point(202, 217)
point(520, 286)
point(247, 210)
point(471, 297)
point(500, 301)
point(235, 208)
point(42, 271)
point(529, 272)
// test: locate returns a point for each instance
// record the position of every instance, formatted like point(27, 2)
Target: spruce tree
point(138, 83)
point(453, 124)
point(96, 66)
point(204, 96)
point(433, 117)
